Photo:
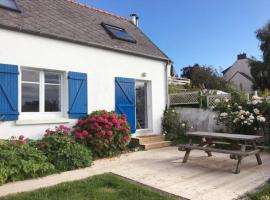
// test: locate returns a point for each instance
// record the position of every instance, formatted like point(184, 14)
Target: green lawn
point(101, 187)
point(262, 194)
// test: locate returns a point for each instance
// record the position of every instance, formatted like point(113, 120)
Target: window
point(9, 4)
point(118, 33)
point(40, 91)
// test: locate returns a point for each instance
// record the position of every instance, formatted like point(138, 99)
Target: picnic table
point(209, 141)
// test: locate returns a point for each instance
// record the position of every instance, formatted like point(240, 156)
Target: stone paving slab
point(202, 178)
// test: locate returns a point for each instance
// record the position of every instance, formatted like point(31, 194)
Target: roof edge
point(96, 9)
point(22, 30)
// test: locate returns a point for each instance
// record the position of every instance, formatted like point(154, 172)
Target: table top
point(224, 135)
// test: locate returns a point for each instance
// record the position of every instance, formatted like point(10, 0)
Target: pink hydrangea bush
point(105, 133)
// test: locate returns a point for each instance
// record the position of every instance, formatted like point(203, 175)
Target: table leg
point(208, 143)
point(238, 166)
point(187, 151)
point(239, 158)
point(258, 157)
point(186, 156)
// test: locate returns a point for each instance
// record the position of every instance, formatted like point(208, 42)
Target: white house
point(239, 73)
point(61, 60)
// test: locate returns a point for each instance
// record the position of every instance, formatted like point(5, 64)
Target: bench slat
point(235, 152)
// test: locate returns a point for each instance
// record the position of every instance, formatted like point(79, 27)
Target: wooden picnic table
point(209, 141)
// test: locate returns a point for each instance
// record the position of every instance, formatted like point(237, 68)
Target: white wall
point(200, 119)
point(102, 67)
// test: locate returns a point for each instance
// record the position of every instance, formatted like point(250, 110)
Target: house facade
point(239, 74)
point(60, 60)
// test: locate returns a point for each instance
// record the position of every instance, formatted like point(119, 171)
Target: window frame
point(17, 9)
point(113, 36)
point(42, 113)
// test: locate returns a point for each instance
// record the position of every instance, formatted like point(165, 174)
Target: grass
point(262, 194)
point(100, 187)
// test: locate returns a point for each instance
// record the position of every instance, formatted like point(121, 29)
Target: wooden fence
point(184, 98)
point(211, 99)
point(194, 98)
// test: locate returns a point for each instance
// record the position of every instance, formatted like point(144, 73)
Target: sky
point(207, 32)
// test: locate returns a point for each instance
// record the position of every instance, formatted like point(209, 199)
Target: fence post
point(200, 96)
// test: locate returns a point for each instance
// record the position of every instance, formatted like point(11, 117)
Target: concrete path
point(202, 178)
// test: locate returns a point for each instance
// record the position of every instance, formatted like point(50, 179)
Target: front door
point(141, 105)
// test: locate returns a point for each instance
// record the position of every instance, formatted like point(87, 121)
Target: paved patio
point(202, 178)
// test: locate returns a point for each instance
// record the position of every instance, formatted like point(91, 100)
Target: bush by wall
point(245, 117)
point(105, 133)
point(19, 161)
point(63, 151)
point(173, 127)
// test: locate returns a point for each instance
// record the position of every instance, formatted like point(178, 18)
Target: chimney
point(241, 56)
point(134, 19)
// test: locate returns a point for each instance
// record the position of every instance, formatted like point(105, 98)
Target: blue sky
point(209, 32)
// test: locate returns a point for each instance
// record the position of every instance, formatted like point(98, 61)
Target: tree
point(204, 77)
point(260, 70)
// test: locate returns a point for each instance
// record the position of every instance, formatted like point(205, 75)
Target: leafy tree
point(204, 77)
point(260, 70)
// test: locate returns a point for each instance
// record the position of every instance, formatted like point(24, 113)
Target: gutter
point(167, 99)
point(91, 44)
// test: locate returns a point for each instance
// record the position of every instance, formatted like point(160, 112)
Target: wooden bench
point(209, 141)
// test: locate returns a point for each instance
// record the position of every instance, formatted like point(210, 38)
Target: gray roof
point(73, 22)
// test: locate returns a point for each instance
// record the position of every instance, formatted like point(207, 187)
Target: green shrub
point(62, 150)
point(19, 161)
point(105, 133)
point(173, 128)
point(262, 194)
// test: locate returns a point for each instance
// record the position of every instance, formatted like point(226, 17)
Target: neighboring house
point(61, 60)
point(239, 73)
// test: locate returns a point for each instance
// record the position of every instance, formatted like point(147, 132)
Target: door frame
point(149, 105)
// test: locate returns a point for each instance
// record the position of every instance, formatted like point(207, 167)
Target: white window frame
point(42, 114)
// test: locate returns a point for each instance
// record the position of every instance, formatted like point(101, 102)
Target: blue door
point(125, 101)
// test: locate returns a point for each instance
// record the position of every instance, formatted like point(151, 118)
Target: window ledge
point(43, 121)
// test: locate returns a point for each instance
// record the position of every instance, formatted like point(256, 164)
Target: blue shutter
point(125, 102)
point(77, 88)
point(8, 92)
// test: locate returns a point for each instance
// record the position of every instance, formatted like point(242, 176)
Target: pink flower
point(22, 141)
point(43, 146)
point(124, 115)
point(110, 133)
point(90, 137)
point(92, 119)
point(99, 135)
point(115, 121)
point(100, 119)
point(21, 137)
point(84, 133)
point(125, 139)
point(78, 136)
point(78, 129)
point(102, 132)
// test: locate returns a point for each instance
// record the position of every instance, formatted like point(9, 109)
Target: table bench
point(209, 141)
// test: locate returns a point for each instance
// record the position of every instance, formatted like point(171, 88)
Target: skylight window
point(9, 4)
point(118, 33)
